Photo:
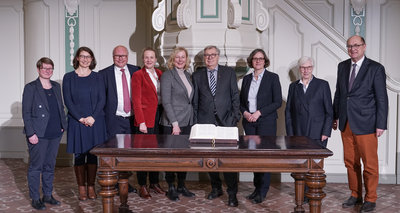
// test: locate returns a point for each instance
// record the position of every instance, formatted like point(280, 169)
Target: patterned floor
point(14, 196)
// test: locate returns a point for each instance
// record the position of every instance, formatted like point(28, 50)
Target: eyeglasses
point(85, 57)
point(120, 56)
point(306, 68)
point(257, 59)
point(47, 69)
point(356, 46)
point(210, 55)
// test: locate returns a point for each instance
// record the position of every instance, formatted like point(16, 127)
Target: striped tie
point(213, 84)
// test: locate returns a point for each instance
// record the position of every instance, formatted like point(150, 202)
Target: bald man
point(361, 106)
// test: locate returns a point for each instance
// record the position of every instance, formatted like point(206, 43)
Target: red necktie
point(127, 101)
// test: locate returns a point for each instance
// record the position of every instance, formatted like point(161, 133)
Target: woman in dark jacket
point(85, 98)
point(45, 122)
point(260, 98)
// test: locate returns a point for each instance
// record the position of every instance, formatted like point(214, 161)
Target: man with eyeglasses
point(118, 109)
point(216, 101)
point(361, 105)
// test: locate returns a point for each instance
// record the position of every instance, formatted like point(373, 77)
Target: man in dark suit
point(117, 80)
point(216, 101)
point(361, 105)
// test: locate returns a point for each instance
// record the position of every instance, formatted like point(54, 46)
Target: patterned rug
point(14, 196)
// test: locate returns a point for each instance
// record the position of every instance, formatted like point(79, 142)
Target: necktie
point(213, 84)
point(352, 76)
point(125, 91)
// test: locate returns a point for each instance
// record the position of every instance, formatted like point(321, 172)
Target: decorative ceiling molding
point(234, 14)
point(261, 16)
point(184, 15)
point(71, 6)
point(358, 6)
point(158, 17)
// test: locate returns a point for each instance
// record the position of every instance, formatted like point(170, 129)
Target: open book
point(209, 133)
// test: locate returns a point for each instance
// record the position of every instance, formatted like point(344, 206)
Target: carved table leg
point(107, 181)
point(299, 191)
point(315, 182)
point(123, 191)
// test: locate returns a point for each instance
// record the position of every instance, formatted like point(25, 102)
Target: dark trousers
point(231, 180)
point(170, 176)
point(121, 126)
point(42, 160)
point(261, 181)
point(153, 176)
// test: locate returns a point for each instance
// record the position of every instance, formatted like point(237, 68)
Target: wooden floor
point(14, 196)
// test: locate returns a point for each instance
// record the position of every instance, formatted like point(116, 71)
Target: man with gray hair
point(216, 101)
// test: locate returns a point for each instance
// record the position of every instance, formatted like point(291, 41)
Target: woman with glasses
point(260, 98)
point(177, 117)
point(309, 109)
point(84, 97)
point(45, 122)
point(147, 109)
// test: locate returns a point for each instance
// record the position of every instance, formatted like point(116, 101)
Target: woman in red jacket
point(147, 109)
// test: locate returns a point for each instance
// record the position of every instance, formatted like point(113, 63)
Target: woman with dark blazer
point(260, 98)
point(44, 123)
point(85, 98)
point(177, 117)
point(309, 109)
point(147, 109)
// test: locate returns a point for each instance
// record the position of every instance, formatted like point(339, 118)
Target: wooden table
point(301, 156)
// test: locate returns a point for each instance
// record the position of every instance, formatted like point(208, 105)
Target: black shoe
point(172, 194)
point(131, 189)
point(352, 201)
point(37, 204)
point(252, 195)
point(232, 200)
point(258, 198)
point(185, 192)
point(50, 200)
point(214, 193)
point(368, 206)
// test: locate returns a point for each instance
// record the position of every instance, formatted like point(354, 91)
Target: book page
point(228, 133)
point(203, 131)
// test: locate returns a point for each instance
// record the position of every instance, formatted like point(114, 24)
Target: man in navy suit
point(117, 81)
point(216, 101)
point(361, 105)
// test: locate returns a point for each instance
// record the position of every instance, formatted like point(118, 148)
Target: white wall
point(12, 60)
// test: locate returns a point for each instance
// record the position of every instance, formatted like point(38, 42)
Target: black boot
point(172, 194)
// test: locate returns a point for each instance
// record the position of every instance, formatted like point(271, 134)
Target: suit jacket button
point(42, 115)
point(40, 106)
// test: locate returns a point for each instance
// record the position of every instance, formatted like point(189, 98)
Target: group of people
point(148, 101)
